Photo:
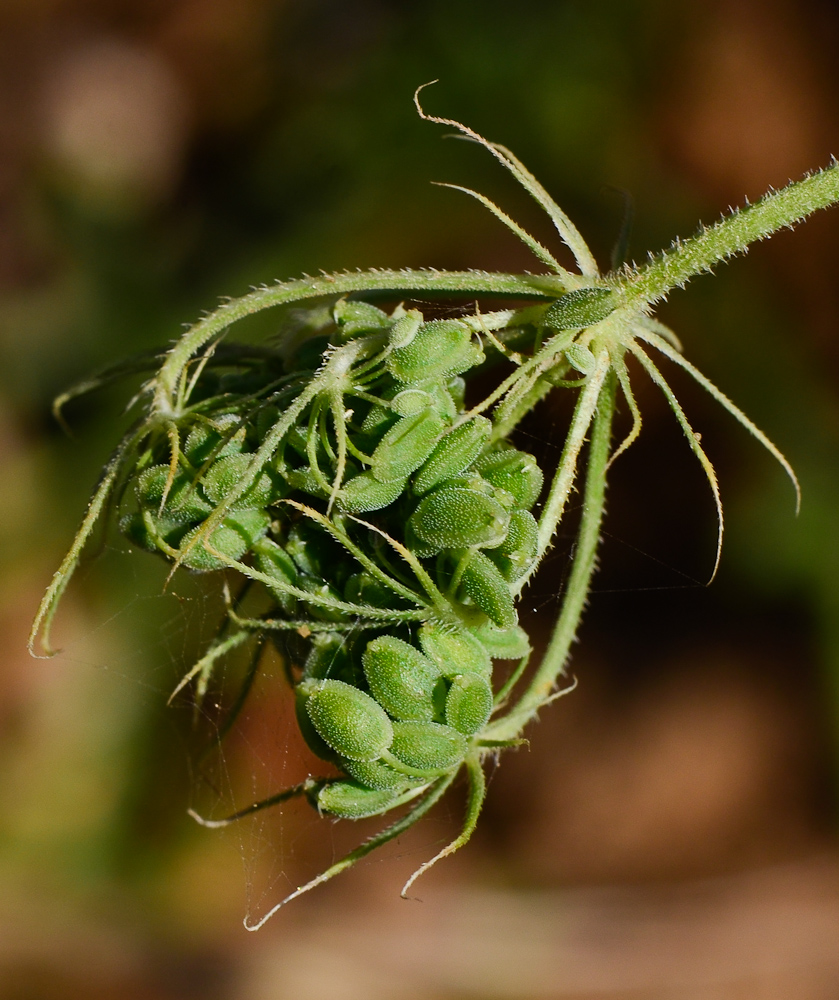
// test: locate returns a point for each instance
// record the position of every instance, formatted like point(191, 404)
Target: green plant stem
point(567, 471)
point(588, 537)
point(461, 283)
point(731, 235)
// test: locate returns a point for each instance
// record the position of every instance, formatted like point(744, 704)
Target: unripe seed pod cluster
point(375, 525)
point(316, 508)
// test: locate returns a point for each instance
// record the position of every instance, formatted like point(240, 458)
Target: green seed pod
point(580, 308)
point(225, 437)
point(477, 484)
point(227, 472)
point(516, 554)
point(236, 534)
point(441, 347)
point(503, 644)
point(376, 774)
point(454, 650)
point(318, 746)
point(405, 329)
point(456, 518)
point(514, 471)
point(581, 358)
point(443, 402)
point(297, 439)
point(362, 588)
point(350, 800)
point(469, 704)
point(329, 656)
point(456, 391)
point(313, 551)
point(364, 493)
point(347, 719)
point(410, 401)
point(453, 453)
point(304, 479)
point(378, 420)
point(426, 747)
point(483, 585)
point(184, 502)
point(273, 560)
point(137, 530)
point(406, 445)
point(326, 592)
point(404, 682)
point(265, 420)
point(357, 317)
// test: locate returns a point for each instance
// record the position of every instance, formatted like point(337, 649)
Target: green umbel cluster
point(391, 705)
point(353, 477)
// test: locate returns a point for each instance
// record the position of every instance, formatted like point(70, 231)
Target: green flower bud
point(378, 420)
point(426, 748)
point(312, 550)
point(406, 445)
point(454, 650)
point(456, 391)
point(305, 480)
point(404, 682)
point(469, 704)
point(265, 420)
point(456, 518)
point(348, 720)
point(453, 453)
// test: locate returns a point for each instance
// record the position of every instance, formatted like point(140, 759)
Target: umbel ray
point(387, 526)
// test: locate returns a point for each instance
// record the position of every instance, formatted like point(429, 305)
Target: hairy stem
point(588, 537)
point(460, 283)
point(731, 235)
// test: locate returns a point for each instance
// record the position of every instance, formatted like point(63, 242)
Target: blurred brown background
point(671, 831)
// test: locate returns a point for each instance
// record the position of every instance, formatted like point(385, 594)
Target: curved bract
point(390, 525)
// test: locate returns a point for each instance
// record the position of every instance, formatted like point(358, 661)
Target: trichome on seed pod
point(350, 477)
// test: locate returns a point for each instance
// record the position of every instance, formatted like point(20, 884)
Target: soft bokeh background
point(671, 831)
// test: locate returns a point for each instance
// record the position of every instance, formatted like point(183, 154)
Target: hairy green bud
point(346, 719)
point(404, 682)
